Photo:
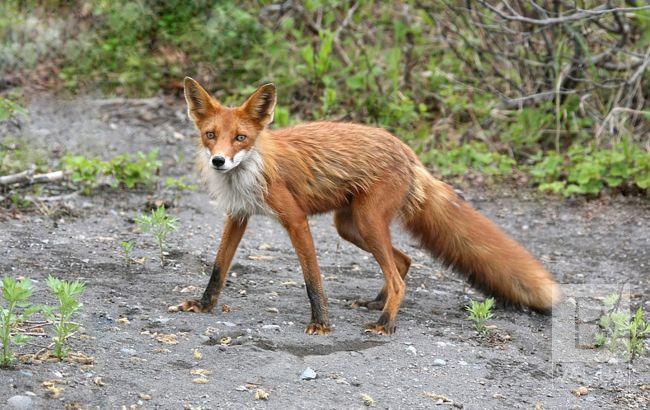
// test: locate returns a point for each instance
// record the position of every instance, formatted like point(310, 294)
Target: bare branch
point(580, 14)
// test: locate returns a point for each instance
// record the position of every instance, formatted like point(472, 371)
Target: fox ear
point(199, 102)
point(260, 104)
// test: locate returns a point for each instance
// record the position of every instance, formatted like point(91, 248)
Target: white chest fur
point(239, 192)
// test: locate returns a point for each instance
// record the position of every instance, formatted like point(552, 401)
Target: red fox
point(367, 177)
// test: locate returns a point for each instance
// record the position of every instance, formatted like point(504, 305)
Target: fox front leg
point(232, 233)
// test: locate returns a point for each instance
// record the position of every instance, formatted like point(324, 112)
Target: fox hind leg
point(372, 213)
point(347, 230)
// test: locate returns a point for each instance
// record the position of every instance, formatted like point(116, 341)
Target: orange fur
point(368, 177)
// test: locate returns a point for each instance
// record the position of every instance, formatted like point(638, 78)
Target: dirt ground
point(259, 343)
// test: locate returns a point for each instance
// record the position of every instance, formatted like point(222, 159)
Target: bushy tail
point(464, 239)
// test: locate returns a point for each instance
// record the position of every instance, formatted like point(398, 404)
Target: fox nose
point(218, 161)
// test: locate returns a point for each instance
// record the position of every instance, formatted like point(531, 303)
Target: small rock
point(145, 396)
point(228, 324)
point(412, 350)
point(271, 327)
point(439, 362)
point(26, 373)
point(128, 352)
point(161, 320)
point(272, 310)
point(308, 374)
point(241, 388)
point(20, 402)
point(580, 391)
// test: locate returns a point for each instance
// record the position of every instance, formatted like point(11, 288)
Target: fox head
point(228, 134)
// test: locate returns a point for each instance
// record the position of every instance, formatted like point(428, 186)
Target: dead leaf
point(52, 389)
point(225, 308)
point(170, 339)
point(188, 289)
point(261, 394)
point(200, 380)
point(201, 372)
point(438, 398)
point(197, 355)
point(261, 257)
point(123, 320)
point(367, 400)
point(80, 358)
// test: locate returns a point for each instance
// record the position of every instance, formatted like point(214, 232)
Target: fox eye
point(240, 138)
point(209, 135)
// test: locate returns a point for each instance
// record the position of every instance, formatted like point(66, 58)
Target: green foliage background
point(370, 61)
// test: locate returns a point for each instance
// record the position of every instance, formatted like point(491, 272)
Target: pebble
point(439, 362)
point(26, 373)
point(20, 402)
point(412, 350)
point(128, 352)
point(308, 374)
point(271, 327)
point(162, 320)
point(580, 391)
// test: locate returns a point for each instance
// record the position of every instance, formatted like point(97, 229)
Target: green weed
point(17, 155)
point(469, 157)
point(124, 170)
point(9, 109)
point(85, 171)
point(132, 170)
point(127, 247)
point(15, 294)
point(179, 184)
point(479, 313)
point(67, 294)
point(159, 225)
point(587, 170)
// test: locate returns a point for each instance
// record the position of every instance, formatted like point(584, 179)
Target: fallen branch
point(28, 178)
point(52, 198)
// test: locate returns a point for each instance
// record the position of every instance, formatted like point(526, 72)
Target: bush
point(437, 74)
point(589, 170)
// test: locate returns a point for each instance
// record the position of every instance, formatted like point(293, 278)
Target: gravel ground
point(144, 356)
